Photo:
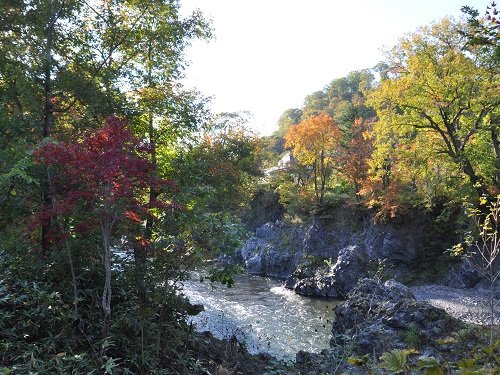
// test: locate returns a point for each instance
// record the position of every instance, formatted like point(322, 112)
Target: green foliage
point(217, 173)
point(396, 361)
point(411, 338)
point(92, 60)
point(264, 207)
point(66, 65)
point(360, 361)
point(483, 31)
point(481, 251)
point(434, 104)
point(224, 275)
point(297, 200)
point(430, 366)
point(37, 326)
point(17, 175)
point(377, 271)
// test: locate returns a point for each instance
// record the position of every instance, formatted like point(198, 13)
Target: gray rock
point(377, 317)
point(485, 285)
point(341, 278)
point(387, 241)
point(268, 231)
point(254, 265)
point(462, 276)
point(291, 281)
point(284, 250)
point(400, 289)
point(274, 251)
point(228, 260)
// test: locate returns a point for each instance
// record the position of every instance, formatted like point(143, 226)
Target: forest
point(116, 181)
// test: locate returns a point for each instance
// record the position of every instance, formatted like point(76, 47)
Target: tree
point(441, 98)
point(290, 117)
point(98, 181)
point(483, 31)
point(353, 157)
point(151, 61)
point(275, 143)
point(219, 167)
point(314, 104)
point(69, 64)
point(483, 248)
point(216, 173)
point(313, 142)
point(346, 98)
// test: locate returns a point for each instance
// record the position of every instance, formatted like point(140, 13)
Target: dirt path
point(469, 305)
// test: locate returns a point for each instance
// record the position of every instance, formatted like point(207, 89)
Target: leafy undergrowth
point(466, 352)
point(228, 357)
point(40, 334)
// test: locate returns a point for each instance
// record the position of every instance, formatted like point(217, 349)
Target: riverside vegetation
point(115, 181)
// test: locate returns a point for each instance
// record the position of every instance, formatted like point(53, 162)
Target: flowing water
point(262, 313)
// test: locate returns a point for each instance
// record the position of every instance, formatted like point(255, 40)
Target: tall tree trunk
point(48, 117)
point(106, 293)
point(140, 256)
point(153, 193)
point(476, 182)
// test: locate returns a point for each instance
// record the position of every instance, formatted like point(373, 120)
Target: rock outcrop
point(382, 317)
point(328, 256)
point(274, 251)
point(464, 275)
point(378, 318)
point(338, 281)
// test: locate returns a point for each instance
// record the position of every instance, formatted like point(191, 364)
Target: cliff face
point(326, 256)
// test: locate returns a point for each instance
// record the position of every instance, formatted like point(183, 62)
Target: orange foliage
point(314, 142)
point(353, 157)
point(313, 136)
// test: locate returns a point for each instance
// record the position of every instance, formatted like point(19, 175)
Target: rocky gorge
point(348, 257)
point(328, 255)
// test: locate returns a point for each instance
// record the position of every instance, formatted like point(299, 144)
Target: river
point(264, 315)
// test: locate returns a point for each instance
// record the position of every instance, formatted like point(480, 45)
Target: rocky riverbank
point(278, 249)
point(376, 319)
point(382, 318)
point(325, 261)
point(427, 321)
point(346, 257)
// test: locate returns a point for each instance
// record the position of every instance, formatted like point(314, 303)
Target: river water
point(262, 313)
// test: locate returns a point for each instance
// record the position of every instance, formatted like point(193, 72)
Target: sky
point(267, 55)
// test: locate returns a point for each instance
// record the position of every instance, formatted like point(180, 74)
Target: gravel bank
point(469, 305)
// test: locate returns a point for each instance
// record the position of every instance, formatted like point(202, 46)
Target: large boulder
point(279, 249)
point(340, 279)
point(379, 317)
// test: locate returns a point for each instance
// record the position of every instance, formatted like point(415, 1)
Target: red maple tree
point(97, 181)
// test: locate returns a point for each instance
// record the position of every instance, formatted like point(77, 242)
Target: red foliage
point(133, 216)
point(102, 176)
